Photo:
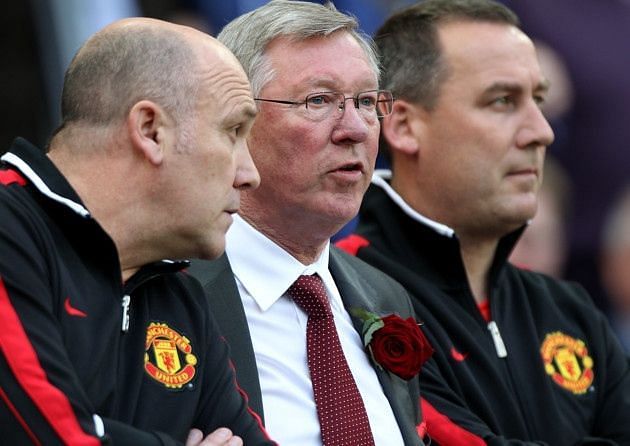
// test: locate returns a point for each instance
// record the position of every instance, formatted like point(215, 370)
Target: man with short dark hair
point(521, 358)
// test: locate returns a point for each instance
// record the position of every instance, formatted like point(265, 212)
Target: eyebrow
point(330, 84)
point(240, 114)
point(542, 87)
point(250, 111)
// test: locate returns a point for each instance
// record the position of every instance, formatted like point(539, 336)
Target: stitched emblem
point(168, 356)
point(567, 362)
point(71, 310)
point(457, 356)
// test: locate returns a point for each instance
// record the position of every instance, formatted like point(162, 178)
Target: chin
point(342, 216)
point(212, 249)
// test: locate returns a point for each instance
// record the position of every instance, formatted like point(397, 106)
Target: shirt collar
point(264, 268)
point(381, 178)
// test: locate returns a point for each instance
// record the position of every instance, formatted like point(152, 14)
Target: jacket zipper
point(499, 345)
point(126, 300)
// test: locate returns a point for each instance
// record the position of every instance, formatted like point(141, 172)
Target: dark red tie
point(342, 415)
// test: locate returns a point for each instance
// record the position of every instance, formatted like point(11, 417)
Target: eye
point(367, 101)
point(235, 131)
point(503, 100)
point(316, 100)
point(540, 100)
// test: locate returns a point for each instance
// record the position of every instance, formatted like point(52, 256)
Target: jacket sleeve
point(613, 411)
point(450, 422)
point(40, 396)
point(224, 403)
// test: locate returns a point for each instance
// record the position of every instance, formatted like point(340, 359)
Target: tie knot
point(309, 293)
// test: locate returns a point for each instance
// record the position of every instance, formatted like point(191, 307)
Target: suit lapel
point(357, 292)
point(219, 284)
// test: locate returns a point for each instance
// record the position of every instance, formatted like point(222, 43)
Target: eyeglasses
point(371, 104)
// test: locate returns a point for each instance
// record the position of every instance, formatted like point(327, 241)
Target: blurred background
point(582, 229)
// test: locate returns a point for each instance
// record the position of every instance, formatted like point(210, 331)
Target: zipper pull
point(498, 340)
point(126, 300)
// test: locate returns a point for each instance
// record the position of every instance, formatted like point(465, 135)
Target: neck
point(302, 245)
point(102, 181)
point(477, 256)
point(299, 230)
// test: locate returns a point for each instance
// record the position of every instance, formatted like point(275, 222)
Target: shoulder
point(352, 243)
point(371, 283)
point(209, 272)
point(16, 203)
point(355, 266)
point(541, 286)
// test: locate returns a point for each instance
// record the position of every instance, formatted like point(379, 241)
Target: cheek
point(371, 144)
point(219, 169)
point(282, 147)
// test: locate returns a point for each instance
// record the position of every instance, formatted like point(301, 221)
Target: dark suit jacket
point(360, 286)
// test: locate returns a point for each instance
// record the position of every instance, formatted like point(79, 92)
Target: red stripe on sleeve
point(444, 431)
point(246, 398)
point(19, 418)
point(352, 244)
point(27, 370)
point(11, 176)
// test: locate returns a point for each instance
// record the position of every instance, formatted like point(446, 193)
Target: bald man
point(101, 340)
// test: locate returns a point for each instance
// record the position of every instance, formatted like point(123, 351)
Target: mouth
point(232, 209)
point(524, 172)
point(355, 167)
point(348, 173)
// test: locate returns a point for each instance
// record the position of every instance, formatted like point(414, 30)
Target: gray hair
point(118, 67)
point(248, 35)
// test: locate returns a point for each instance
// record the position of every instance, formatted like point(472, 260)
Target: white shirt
point(264, 271)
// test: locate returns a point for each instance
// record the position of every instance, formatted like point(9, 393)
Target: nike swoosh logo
point(71, 310)
point(457, 356)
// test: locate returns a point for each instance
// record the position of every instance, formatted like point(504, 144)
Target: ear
point(400, 127)
point(148, 127)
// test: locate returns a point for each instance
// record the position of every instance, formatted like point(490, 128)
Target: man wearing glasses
point(314, 142)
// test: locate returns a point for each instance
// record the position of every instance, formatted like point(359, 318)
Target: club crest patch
point(567, 362)
point(168, 356)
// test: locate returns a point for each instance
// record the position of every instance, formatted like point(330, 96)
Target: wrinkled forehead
point(336, 61)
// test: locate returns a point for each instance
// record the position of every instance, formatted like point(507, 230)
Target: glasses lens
point(385, 103)
point(367, 101)
point(370, 104)
point(321, 105)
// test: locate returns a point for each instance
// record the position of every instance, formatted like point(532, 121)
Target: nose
point(351, 127)
point(247, 176)
point(536, 130)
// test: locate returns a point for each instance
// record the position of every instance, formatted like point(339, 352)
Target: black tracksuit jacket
point(563, 378)
point(64, 355)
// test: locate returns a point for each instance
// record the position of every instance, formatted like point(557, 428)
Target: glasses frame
point(342, 104)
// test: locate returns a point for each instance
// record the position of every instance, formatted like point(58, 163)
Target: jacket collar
point(419, 242)
point(152, 270)
point(44, 175)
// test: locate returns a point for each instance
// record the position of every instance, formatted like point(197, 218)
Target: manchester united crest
point(168, 356)
point(567, 362)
